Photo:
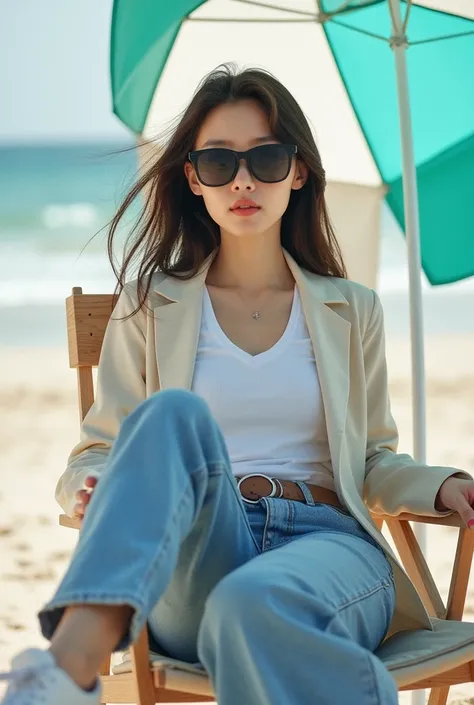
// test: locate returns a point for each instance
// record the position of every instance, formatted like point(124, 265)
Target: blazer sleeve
point(120, 388)
point(394, 482)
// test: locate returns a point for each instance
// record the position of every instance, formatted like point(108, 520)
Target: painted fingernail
point(470, 524)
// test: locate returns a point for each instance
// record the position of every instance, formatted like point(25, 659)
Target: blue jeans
point(281, 601)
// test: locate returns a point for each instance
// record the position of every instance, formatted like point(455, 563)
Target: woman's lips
point(245, 211)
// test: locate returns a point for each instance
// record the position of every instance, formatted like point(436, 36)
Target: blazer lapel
point(330, 336)
point(177, 326)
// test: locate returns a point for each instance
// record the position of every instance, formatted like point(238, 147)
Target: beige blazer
point(154, 351)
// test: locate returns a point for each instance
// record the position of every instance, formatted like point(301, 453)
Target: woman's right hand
point(84, 497)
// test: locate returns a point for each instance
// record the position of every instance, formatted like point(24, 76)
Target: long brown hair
point(174, 233)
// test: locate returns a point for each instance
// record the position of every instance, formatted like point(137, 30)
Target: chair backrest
point(87, 318)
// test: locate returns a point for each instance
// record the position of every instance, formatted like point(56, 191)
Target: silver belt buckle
point(270, 479)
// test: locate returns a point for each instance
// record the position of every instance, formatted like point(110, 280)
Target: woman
point(231, 511)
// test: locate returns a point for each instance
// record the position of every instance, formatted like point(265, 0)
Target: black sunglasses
point(217, 166)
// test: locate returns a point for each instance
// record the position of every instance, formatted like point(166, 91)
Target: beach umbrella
point(387, 86)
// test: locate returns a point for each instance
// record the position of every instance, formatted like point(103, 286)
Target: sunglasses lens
point(215, 167)
point(270, 162)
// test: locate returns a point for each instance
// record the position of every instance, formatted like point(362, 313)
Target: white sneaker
point(35, 679)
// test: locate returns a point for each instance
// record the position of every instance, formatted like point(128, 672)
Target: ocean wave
point(31, 277)
point(48, 293)
point(49, 217)
point(79, 215)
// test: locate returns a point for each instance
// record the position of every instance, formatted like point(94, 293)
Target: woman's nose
point(243, 179)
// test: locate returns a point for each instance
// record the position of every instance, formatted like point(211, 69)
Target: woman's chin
point(246, 226)
point(244, 232)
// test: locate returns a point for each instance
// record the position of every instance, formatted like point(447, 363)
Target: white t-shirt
point(268, 406)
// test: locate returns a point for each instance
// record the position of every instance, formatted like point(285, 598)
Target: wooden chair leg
point(141, 670)
point(104, 670)
point(461, 573)
point(378, 522)
point(105, 667)
point(416, 566)
point(439, 696)
point(457, 596)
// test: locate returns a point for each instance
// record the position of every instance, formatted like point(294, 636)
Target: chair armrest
point(417, 568)
point(65, 520)
point(451, 520)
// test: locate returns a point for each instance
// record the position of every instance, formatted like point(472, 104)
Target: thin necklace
point(256, 313)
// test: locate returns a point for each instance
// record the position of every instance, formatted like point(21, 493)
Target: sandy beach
point(39, 426)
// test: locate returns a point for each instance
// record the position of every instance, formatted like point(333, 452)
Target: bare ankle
point(77, 666)
point(86, 636)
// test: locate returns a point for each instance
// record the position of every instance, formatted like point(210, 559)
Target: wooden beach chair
point(416, 659)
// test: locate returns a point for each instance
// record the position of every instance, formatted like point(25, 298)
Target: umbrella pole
point(412, 227)
point(412, 231)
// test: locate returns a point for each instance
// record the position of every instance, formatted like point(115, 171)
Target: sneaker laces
point(21, 677)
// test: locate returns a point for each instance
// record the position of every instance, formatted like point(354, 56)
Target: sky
point(54, 80)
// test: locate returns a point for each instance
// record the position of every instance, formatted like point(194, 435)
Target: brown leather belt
point(254, 487)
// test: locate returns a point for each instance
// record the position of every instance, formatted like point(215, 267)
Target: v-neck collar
point(266, 355)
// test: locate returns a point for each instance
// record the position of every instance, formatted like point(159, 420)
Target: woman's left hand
point(457, 493)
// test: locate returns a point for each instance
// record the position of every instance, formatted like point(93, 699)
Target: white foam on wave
point(29, 277)
point(34, 277)
point(79, 215)
point(48, 293)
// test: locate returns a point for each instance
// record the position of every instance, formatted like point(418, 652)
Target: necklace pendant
point(256, 315)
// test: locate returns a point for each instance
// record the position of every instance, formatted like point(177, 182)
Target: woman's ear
point(301, 175)
point(193, 182)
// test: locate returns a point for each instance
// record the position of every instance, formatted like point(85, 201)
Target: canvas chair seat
point(420, 654)
point(416, 659)
point(409, 656)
